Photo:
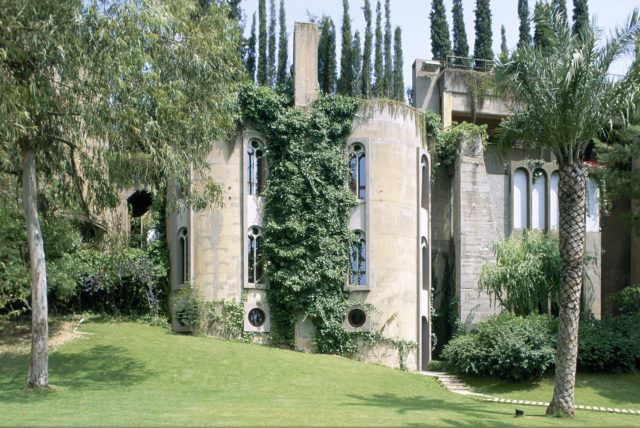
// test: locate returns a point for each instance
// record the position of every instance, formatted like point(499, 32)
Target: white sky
point(413, 17)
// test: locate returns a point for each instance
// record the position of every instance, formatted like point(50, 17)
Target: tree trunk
point(572, 245)
point(38, 374)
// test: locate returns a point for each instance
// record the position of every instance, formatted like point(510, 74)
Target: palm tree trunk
point(572, 245)
point(38, 374)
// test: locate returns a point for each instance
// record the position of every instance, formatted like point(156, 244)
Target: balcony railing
point(468, 63)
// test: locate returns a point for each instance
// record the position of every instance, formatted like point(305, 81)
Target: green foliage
point(505, 346)
point(271, 64)
point(327, 56)
point(581, 18)
point(526, 274)
point(263, 63)
point(348, 56)
point(440, 41)
point(482, 48)
point(388, 60)
point(250, 60)
point(478, 84)
point(378, 61)
point(356, 63)
point(611, 344)
point(283, 50)
point(628, 300)
point(543, 19)
point(397, 92)
point(504, 49)
point(366, 55)
point(524, 29)
point(447, 141)
point(305, 213)
point(460, 44)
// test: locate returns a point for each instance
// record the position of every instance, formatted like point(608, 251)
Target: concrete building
point(410, 233)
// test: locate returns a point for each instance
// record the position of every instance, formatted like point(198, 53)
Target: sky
point(413, 17)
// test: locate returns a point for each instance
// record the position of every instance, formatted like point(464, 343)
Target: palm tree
point(562, 98)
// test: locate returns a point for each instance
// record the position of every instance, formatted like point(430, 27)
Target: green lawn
point(605, 390)
point(132, 374)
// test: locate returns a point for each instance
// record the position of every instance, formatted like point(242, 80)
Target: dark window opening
point(358, 260)
point(357, 318)
point(256, 168)
point(254, 249)
point(257, 317)
point(358, 172)
point(183, 256)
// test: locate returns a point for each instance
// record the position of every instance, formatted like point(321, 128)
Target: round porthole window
point(257, 317)
point(357, 318)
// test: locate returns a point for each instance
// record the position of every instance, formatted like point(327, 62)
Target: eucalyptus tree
point(102, 97)
point(563, 98)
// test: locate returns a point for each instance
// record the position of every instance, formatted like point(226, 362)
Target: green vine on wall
point(306, 211)
point(478, 85)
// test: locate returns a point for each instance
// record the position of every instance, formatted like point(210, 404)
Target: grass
point(604, 390)
point(133, 374)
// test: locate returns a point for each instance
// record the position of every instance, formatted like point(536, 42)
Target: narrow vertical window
point(593, 206)
point(554, 211)
point(254, 256)
point(425, 265)
point(358, 171)
point(539, 200)
point(256, 168)
point(358, 259)
point(424, 197)
point(183, 257)
point(520, 199)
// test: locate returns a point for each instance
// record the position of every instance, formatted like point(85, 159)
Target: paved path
point(456, 385)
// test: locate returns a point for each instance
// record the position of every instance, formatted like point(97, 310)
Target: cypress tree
point(235, 11)
point(388, 60)
point(543, 19)
point(356, 62)
point(327, 56)
point(460, 44)
point(398, 64)
point(440, 42)
point(484, 37)
point(580, 17)
point(262, 43)
point(250, 63)
point(366, 56)
point(271, 70)
point(345, 83)
point(378, 66)
point(283, 48)
point(560, 10)
point(525, 24)
point(504, 50)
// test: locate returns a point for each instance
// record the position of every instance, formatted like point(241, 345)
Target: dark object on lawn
point(519, 413)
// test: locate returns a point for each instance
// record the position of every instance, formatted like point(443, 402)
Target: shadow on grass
point(418, 403)
point(96, 368)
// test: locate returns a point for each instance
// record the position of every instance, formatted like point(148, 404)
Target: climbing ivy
point(306, 211)
point(446, 142)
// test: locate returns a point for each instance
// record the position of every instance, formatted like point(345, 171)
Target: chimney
point(306, 37)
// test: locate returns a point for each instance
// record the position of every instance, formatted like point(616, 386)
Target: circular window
point(257, 317)
point(357, 317)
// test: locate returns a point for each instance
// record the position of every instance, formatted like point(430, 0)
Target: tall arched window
point(183, 256)
point(425, 173)
point(358, 259)
point(539, 200)
point(520, 199)
point(358, 170)
point(256, 168)
point(425, 265)
point(255, 255)
point(554, 209)
point(593, 206)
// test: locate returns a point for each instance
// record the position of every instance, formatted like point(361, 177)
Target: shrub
point(611, 344)
point(505, 346)
point(628, 300)
point(526, 273)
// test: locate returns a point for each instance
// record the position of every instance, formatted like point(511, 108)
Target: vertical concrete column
point(306, 37)
point(447, 109)
point(635, 239)
point(474, 230)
